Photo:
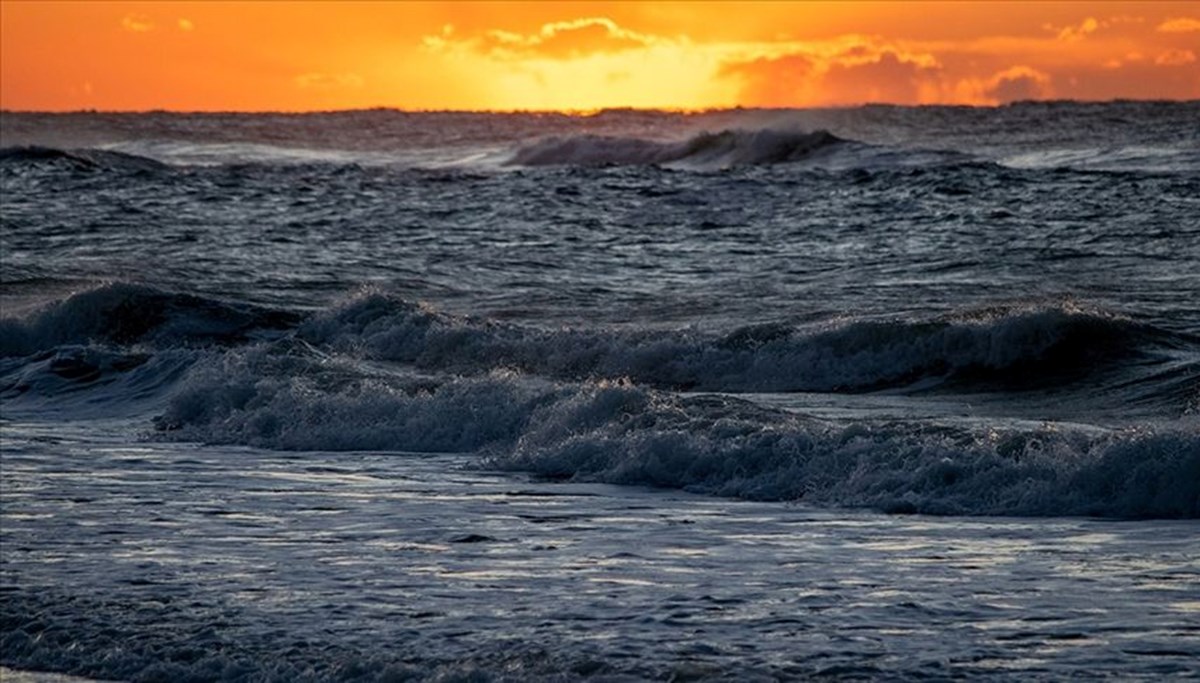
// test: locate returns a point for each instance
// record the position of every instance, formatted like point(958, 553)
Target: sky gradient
point(279, 56)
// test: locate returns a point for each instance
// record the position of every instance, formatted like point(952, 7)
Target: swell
point(720, 149)
point(1003, 349)
point(85, 159)
point(1021, 347)
point(126, 314)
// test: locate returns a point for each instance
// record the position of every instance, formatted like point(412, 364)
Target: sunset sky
point(587, 55)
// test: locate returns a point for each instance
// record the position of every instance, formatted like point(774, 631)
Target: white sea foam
point(157, 561)
point(620, 433)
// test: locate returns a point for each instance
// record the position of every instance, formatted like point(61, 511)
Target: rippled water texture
point(358, 566)
point(877, 393)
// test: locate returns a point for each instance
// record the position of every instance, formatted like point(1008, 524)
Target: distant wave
point(78, 159)
point(1112, 136)
point(619, 433)
point(726, 148)
point(1135, 158)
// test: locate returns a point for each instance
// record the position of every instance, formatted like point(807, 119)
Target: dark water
point(936, 310)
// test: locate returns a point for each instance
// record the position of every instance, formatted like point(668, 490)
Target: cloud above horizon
point(326, 81)
point(137, 23)
point(1180, 25)
point(845, 69)
point(589, 54)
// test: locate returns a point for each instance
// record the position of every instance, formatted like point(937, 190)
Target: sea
point(876, 393)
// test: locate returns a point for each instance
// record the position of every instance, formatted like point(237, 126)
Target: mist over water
point(558, 330)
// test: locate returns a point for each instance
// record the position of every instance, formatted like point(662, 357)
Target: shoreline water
point(357, 566)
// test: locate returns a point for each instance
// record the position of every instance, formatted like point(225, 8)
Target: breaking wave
point(1016, 348)
point(620, 433)
point(722, 149)
point(383, 374)
point(1020, 347)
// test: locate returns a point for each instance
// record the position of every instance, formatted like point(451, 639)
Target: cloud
point(576, 59)
point(1018, 83)
point(1179, 25)
point(1091, 25)
point(847, 70)
point(1120, 62)
point(137, 23)
point(887, 77)
point(324, 81)
point(1014, 84)
point(186, 25)
point(773, 81)
point(1175, 58)
point(1076, 33)
point(556, 40)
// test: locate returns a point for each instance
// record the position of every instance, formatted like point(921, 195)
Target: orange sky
point(586, 55)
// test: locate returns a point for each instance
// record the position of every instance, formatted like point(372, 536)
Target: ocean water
point(881, 393)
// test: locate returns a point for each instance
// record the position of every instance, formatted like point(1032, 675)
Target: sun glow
point(581, 56)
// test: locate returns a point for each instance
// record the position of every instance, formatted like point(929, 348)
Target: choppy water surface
point(251, 564)
point(374, 395)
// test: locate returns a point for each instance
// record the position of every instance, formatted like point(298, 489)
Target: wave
point(1004, 348)
point(1139, 158)
point(717, 445)
point(155, 155)
point(721, 149)
point(1050, 348)
point(617, 432)
point(384, 374)
point(122, 313)
point(78, 160)
point(83, 382)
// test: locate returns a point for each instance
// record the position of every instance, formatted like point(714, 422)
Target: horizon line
point(587, 112)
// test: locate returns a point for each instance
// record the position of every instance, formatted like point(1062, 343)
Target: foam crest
point(122, 313)
point(719, 150)
point(726, 448)
point(620, 433)
point(301, 401)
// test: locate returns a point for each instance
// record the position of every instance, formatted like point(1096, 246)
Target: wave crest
point(78, 159)
point(1015, 348)
point(720, 149)
point(620, 433)
point(122, 313)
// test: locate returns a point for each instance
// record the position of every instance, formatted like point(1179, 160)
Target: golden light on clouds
point(588, 55)
point(1180, 25)
point(138, 23)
